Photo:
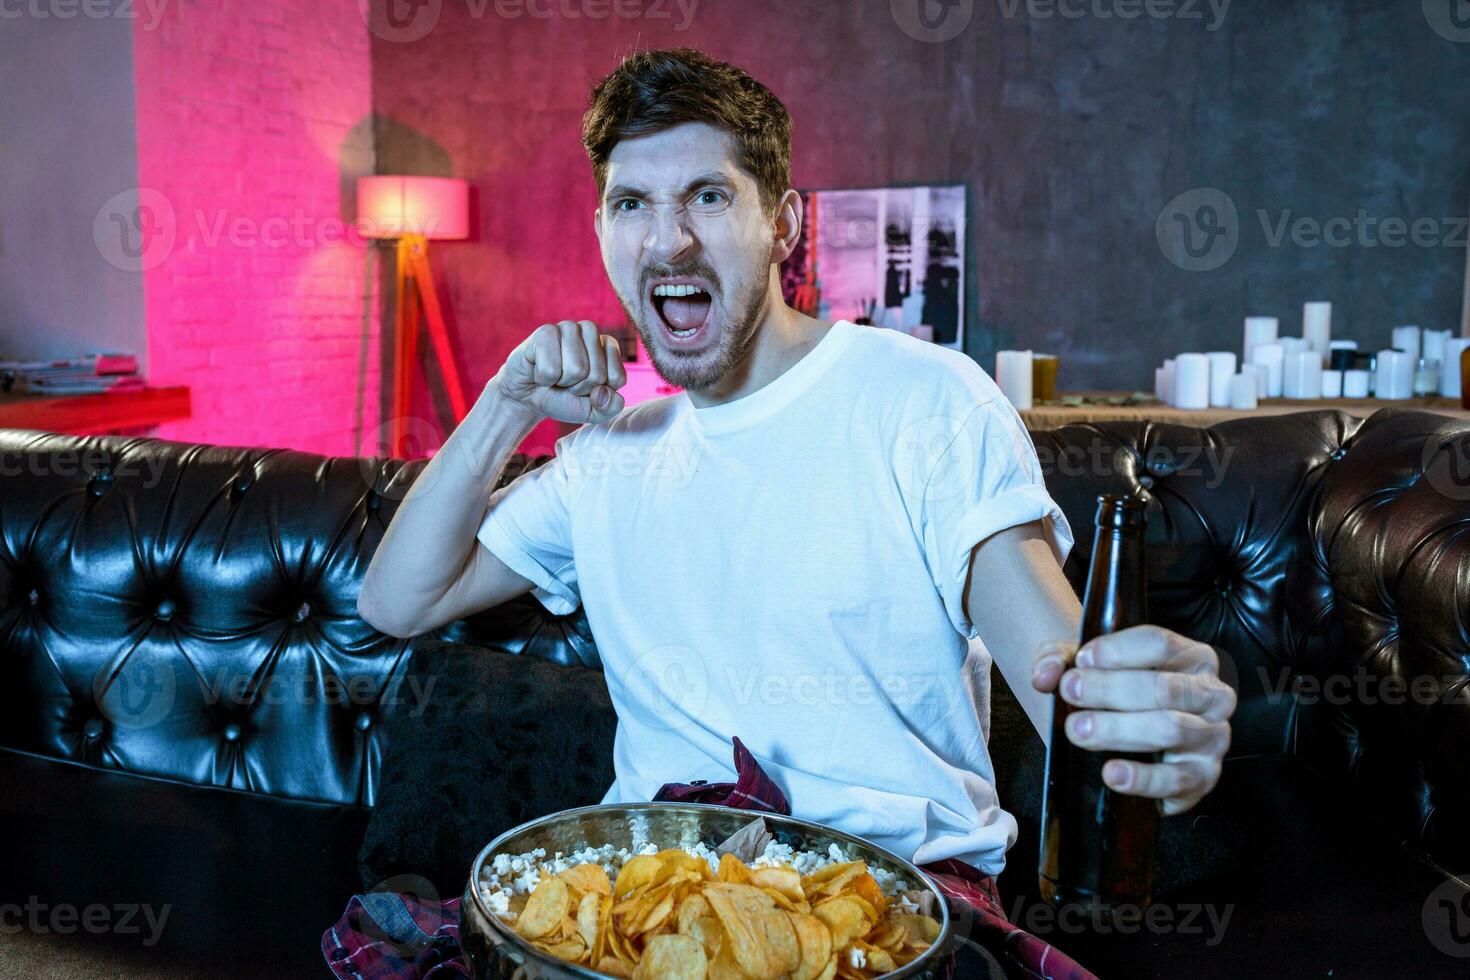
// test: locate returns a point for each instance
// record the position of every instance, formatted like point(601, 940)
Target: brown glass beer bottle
point(1097, 847)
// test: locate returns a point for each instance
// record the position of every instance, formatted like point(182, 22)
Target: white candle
point(1407, 339)
point(1355, 383)
point(1449, 374)
point(1395, 376)
point(1258, 330)
point(1331, 384)
point(1270, 357)
point(1301, 375)
point(1159, 383)
point(1013, 375)
point(1169, 381)
point(1293, 344)
point(1317, 326)
point(1192, 381)
point(1243, 389)
point(1222, 369)
point(1258, 375)
point(1434, 341)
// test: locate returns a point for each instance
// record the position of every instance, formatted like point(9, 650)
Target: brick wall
point(253, 123)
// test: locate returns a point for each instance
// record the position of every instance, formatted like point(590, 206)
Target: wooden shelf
point(96, 414)
point(1043, 417)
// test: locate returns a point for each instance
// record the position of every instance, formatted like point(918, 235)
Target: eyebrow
point(712, 177)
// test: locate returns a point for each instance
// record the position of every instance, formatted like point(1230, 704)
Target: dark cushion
point(501, 739)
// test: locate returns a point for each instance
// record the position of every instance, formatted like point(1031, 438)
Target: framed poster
point(895, 255)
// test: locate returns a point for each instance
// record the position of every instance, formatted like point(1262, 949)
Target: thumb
point(606, 403)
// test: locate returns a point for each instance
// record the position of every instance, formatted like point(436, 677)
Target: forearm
point(433, 531)
point(1019, 599)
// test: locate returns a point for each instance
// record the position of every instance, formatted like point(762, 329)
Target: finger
point(1145, 731)
point(1145, 690)
point(1051, 660)
point(617, 374)
point(1180, 784)
point(591, 349)
point(544, 355)
point(573, 354)
point(1147, 647)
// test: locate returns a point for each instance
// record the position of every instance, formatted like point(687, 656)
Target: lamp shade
point(394, 206)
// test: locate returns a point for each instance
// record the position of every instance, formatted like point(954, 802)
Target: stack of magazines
point(104, 371)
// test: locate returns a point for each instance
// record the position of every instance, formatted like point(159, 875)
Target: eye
point(626, 204)
point(710, 198)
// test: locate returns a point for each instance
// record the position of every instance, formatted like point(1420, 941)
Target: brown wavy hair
point(656, 90)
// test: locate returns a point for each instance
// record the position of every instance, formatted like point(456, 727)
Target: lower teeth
point(683, 333)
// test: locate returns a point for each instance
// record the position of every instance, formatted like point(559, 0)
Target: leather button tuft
point(299, 616)
point(364, 721)
point(372, 500)
point(1146, 481)
point(165, 610)
point(93, 729)
point(33, 597)
point(1339, 452)
point(231, 732)
point(244, 482)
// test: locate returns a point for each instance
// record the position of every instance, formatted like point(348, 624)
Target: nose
point(668, 235)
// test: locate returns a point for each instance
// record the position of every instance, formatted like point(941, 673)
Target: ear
point(597, 222)
point(789, 216)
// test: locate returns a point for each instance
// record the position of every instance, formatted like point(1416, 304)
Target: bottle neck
point(1117, 583)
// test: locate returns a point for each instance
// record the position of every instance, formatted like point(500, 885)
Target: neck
point(782, 336)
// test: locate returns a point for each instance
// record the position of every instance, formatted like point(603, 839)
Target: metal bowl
point(493, 950)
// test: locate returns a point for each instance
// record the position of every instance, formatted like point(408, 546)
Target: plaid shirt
point(397, 936)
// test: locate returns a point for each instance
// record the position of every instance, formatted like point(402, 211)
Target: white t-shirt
point(788, 567)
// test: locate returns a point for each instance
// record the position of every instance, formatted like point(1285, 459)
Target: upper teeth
point(676, 290)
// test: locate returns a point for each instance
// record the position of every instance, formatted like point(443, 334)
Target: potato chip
point(672, 957)
point(690, 909)
point(708, 931)
point(589, 920)
point(845, 916)
point(587, 878)
point(613, 967)
point(545, 909)
point(637, 872)
point(760, 936)
point(815, 942)
point(734, 870)
point(785, 880)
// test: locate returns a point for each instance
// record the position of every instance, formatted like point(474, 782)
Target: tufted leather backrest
point(189, 612)
point(1385, 702)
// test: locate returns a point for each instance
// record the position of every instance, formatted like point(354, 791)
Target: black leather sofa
point(193, 717)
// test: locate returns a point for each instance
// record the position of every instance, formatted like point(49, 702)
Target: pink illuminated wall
point(253, 122)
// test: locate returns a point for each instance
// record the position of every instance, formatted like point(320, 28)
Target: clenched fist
point(566, 371)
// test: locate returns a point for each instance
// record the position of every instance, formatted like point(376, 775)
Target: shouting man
point(817, 546)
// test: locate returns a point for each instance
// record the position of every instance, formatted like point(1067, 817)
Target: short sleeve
point(985, 480)
point(528, 527)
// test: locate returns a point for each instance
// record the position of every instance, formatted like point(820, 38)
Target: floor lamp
point(413, 211)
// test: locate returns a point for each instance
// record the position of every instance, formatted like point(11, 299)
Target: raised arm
point(429, 569)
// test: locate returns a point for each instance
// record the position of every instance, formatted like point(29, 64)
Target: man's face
point(688, 249)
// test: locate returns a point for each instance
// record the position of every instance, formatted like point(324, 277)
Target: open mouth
point(684, 309)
